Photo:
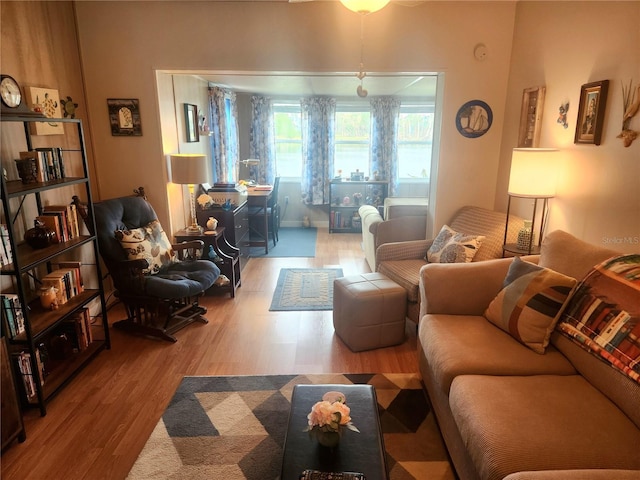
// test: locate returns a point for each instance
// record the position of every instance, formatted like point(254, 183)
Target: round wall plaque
point(474, 119)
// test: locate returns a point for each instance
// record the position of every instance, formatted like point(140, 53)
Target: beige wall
point(123, 43)
point(564, 45)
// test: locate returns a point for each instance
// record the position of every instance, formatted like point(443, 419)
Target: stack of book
point(49, 163)
point(67, 279)
point(6, 255)
point(62, 219)
point(12, 314)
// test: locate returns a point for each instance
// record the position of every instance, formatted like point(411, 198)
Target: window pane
point(353, 131)
point(415, 135)
point(288, 141)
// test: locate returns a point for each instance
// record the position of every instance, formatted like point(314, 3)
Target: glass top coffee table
point(357, 452)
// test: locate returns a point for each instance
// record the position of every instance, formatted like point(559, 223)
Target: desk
point(260, 199)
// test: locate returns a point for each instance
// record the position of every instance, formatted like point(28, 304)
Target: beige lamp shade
point(533, 172)
point(189, 169)
point(364, 6)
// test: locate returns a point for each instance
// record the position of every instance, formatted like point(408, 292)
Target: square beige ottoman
point(369, 311)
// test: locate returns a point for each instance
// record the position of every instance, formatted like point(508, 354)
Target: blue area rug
point(293, 242)
point(305, 289)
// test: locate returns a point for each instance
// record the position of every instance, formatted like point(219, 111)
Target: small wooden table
point(358, 452)
point(229, 256)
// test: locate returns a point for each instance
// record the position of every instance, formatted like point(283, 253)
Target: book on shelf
point(12, 313)
point(51, 222)
point(65, 280)
point(49, 163)
point(67, 217)
point(6, 255)
point(79, 328)
point(75, 267)
point(23, 360)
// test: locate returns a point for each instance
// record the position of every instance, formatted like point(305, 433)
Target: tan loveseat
point(506, 411)
point(402, 261)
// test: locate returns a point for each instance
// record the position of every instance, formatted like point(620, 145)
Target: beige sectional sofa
point(506, 411)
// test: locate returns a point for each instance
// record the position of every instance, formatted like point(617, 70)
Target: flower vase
point(328, 439)
point(525, 238)
point(212, 223)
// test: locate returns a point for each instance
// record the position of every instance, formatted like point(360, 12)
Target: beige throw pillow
point(530, 303)
point(148, 242)
point(453, 247)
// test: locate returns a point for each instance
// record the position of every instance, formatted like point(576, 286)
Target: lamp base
point(194, 229)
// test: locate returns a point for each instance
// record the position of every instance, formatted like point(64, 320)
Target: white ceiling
point(339, 85)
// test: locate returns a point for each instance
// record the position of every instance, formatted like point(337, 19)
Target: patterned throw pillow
point(603, 316)
point(453, 247)
point(530, 303)
point(148, 242)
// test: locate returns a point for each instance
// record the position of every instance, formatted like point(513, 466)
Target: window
point(353, 138)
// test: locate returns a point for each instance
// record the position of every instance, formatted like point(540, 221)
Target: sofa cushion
point(541, 422)
point(450, 246)
point(149, 242)
point(529, 305)
point(405, 273)
point(465, 344)
point(602, 316)
point(567, 254)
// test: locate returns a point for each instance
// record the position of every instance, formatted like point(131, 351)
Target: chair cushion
point(405, 273)
point(540, 422)
point(182, 279)
point(530, 303)
point(450, 246)
point(470, 345)
point(148, 242)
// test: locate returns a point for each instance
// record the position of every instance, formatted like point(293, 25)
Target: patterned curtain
point(224, 141)
point(318, 138)
point(385, 112)
point(262, 140)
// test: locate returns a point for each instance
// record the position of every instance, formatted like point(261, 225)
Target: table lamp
point(533, 175)
point(190, 169)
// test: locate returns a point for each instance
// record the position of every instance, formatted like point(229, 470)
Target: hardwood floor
point(96, 427)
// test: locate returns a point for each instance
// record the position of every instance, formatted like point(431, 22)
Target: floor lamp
point(190, 169)
point(533, 176)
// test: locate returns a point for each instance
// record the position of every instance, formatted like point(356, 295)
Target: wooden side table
point(228, 256)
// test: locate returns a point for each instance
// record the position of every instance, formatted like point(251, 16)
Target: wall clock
point(474, 119)
point(10, 92)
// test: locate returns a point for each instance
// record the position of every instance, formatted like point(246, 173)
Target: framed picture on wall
point(593, 101)
point(531, 117)
point(124, 117)
point(191, 122)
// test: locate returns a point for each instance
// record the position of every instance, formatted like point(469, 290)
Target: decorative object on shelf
point(346, 200)
point(593, 101)
point(124, 117)
point(474, 119)
point(525, 236)
point(227, 206)
point(39, 236)
point(631, 105)
point(356, 198)
point(27, 170)
point(48, 100)
point(532, 176)
point(356, 221)
point(48, 297)
point(10, 92)
point(328, 417)
point(205, 201)
point(190, 169)
point(531, 117)
point(69, 107)
point(562, 114)
point(357, 176)
point(212, 224)
point(191, 123)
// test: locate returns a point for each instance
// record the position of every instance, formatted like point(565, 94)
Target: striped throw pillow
point(530, 303)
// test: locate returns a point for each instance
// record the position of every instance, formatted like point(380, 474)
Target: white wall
point(564, 45)
point(124, 43)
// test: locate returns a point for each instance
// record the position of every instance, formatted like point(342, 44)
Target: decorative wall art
point(630, 106)
point(562, 114)
point(124, 117)
point(474, 119)
point(593, 101)
point(191, 122)
point(47, 101)
point(531, 117)
point(69, 107)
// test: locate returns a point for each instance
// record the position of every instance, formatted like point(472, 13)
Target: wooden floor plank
point(96, 427)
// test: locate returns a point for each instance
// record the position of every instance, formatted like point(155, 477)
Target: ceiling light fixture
point(364, 8)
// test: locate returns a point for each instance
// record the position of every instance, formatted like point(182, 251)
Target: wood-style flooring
point(96, 426)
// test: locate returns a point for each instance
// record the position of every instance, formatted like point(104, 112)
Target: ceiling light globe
point(364, 6)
